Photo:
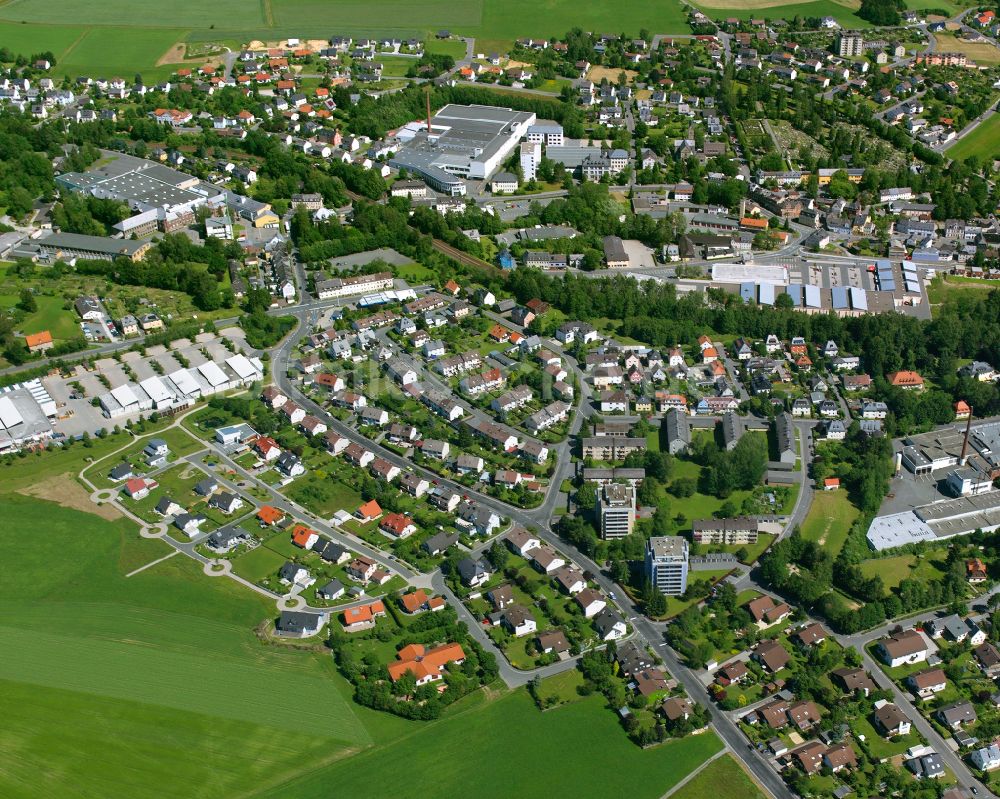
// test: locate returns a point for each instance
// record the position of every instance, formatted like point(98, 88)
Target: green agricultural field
point(829, 520)
point(722, 777)
point(29, 39)
point(775, 9)
point(121, 52)
point(984, 141)
point(563, 752)
point(139, 13)
point(110, 683)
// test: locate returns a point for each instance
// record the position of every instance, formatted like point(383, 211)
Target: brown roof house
point(890, 720)
point(928, 682)
point(772, 656)
point(765, 611)
point(804, 715)
point(810, 756)
point(907, 647)
point(854, 680)
point(988, 657)
point(677, 708)
point(810, 635)
point(840, 757)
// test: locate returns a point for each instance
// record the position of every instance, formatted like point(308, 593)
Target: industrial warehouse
point(460, 141)
point(962, 464)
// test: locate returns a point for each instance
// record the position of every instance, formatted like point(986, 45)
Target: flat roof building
point(667, 564)
point(616, 510)
point(77, 245)
point(465, 142)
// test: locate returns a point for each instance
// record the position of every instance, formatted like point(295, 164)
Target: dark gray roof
point(291, 621)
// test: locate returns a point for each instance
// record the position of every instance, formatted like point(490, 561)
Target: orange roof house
point(414, 601)
point(362, 617)
point(906, 379)
point(452, 287)
point(962, 410)
point(270, 515)
point(370, 510)
point(975, 571)
point(499, 333)
point(753, 223)
point(803, 362)
point(398, 525)
point(38, 341)
point(831, 484)
point(303, 537)
point(426, 665)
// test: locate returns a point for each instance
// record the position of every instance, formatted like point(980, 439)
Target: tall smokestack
point(965, 440)
point(427, 94)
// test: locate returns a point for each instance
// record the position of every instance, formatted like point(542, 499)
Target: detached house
point(907, 647)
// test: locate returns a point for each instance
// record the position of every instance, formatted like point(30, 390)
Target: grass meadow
point(563, 752)
point(723, 777)
point(829, 520)
point(984, 141)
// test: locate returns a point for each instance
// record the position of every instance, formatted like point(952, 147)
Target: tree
point(499, 556)
point(27, 302)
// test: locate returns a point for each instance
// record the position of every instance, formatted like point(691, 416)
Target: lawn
point(893, 570)
point(564, 752)
point(879, 746)
point(984, 141)
point(110, 683)
point(829, 520)
point(947, 287)
point(676, 605)
point(723, 777)
point(415, 273)
point(698, 506)
point(50, 316)
point(258, 563)
point(562, 687)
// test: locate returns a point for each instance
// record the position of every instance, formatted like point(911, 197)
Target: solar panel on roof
point(767, 293)
point(859, 299)
point(748, 291)
point(812, 297)
point(839, 297)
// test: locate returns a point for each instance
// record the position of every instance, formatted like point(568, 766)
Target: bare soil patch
point(68, 493)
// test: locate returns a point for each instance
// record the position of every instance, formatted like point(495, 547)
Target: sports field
point(984, 141)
